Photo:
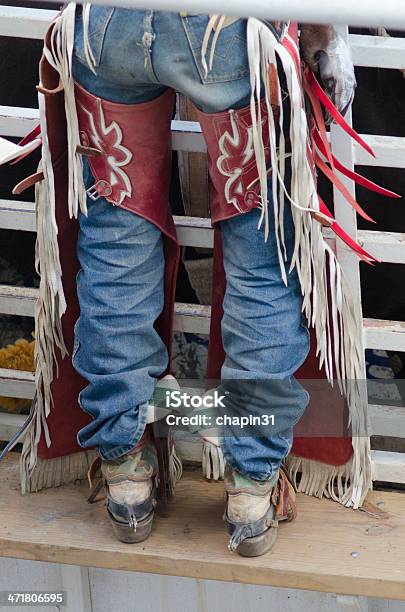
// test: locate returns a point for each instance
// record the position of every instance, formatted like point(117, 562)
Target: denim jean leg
point(266, 341)
point(117, 349)
point(120, 283)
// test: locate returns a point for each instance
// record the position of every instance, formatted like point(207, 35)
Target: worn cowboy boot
point(138, 481)
point(130, 483)
point(254, 509)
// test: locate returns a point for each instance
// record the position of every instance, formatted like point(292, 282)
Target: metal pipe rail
point(372, 13)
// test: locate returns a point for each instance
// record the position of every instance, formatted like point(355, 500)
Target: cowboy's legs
point(165, 49)
point(134, 71)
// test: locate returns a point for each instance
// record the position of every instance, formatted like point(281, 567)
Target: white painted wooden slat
point(192, 318)
point(377, 51)
point(385, 246)
point(342, 147)
point(388, 335)
point(14, 383)
point(388, 467)
point(179, 125)
point(370, 13)
point(389, 152)
point(17, 121)
point(198, 232)
point(18, 300)
point(25, 22)
point(378, 334)
point(187, 136)
point(15, 215)
point(10, 424)
point(384, 420)
point(387, 420)
point(194, 231)
point(369, 51)
point(191, 231)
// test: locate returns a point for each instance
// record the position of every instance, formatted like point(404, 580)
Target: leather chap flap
point(133, 169)
point(232, 162)
point(28, 182)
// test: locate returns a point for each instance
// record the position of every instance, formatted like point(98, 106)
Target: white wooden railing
point(371, 13)
point(367, 51)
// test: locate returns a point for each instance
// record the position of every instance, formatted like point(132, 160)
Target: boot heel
point(259, 545)
point(161, 436)
point(125, 533)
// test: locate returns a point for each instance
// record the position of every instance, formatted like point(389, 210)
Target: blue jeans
point(139, 54)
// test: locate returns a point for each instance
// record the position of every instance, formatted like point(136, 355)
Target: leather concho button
point(251, 200)
point(84, 139)
point(103, 188)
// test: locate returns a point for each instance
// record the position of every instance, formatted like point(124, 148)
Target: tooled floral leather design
point(106, 136)
point(133, 166)
point(233, 170)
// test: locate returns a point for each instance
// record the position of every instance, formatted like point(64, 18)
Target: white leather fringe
point(322, 480)
point(51, 304)
point(60, 56)
point(175, 467)
point(213, 461)
point(55, 472)
point(337, 323)
point(49, 310)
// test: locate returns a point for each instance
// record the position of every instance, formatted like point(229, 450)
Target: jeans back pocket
point(100, 18)
point(230, 57)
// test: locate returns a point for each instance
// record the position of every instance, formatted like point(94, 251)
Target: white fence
point(386, 246)
point(370, 13)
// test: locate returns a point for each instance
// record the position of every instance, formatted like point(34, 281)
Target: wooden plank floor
point(328, 548)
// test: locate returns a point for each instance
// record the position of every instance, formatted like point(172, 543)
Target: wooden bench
point(328, 548)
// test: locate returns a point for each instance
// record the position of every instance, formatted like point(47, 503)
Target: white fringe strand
point(60, 56)
point(175, 467)
point(213, 461)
